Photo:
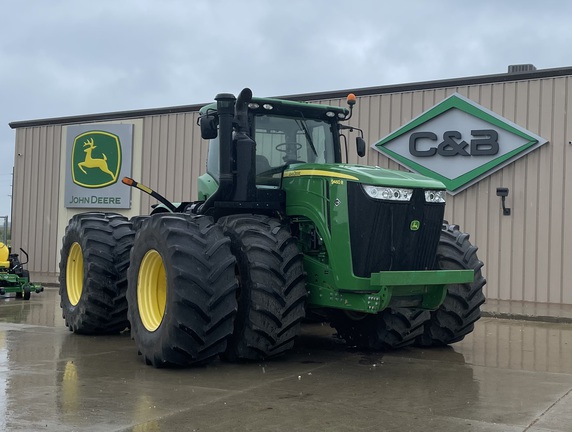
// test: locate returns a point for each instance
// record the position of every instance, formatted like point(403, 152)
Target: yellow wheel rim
point(152, 290)
point(74, 274)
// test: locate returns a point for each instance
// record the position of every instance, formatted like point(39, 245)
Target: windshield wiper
point(302, 124)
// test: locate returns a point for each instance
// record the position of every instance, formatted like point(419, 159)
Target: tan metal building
point(527, 255)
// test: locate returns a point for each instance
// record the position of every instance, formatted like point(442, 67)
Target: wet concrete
point(508, 375)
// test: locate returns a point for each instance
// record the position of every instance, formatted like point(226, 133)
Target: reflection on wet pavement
point(507, 375)
point(520, 345)
point(41, 310)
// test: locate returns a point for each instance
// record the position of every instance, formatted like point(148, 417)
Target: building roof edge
point(334, 94)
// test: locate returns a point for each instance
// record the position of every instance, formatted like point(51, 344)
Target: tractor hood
point(364, 174)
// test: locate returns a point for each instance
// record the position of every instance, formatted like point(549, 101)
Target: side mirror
point(208, 125)
point(360, 146)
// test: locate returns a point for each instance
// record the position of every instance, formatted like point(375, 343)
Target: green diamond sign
point(458, 142)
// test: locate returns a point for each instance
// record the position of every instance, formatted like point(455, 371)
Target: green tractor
point(282, 230)
point(13, 277)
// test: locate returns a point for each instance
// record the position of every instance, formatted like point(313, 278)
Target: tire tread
point(456, 317)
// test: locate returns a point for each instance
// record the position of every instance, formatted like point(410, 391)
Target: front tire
point(272, 291)
point(461, 308)
point(94, 259)
point(181, 290)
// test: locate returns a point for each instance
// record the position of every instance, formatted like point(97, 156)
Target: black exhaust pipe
point(225, 103)
point(237, 190)
point(241, 109)
point(245, 181)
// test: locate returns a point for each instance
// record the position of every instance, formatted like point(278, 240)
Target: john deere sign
point(458, 142)
point(96, 166)
point(99, 155)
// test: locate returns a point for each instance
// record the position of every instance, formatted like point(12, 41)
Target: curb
point(525, 317)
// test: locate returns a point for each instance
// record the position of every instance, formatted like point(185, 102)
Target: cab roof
point(286, 107)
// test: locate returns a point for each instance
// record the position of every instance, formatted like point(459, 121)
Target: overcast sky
point(61, 58)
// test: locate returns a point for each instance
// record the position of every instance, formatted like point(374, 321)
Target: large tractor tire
point(93, 264)
point(272, 292)
point(182, 290)
point(138, 221)
point(456, 317)
point(387, 330)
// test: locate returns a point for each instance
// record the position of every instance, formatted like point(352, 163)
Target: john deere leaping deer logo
point(96, 159)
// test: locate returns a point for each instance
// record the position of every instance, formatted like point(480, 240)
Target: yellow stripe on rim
point(315, 172)
point(152, 290)
point(74, 274)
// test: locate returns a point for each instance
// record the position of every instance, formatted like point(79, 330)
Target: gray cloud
point(61, 58)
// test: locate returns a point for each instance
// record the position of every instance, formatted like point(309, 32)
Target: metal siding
point(146, 161)
point(161, 160)
point(557, 187)
point(150, 158)
point(18, 195)
point(174, 155)
point(567, 195)
point(22, 178)
point(519, 201)
point(178, 162)
point(35, 201)
point(49, 164)
point(40, 225)
point(543, 203)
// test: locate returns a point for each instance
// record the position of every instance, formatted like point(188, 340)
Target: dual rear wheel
point(189, 288)
point(272, 293)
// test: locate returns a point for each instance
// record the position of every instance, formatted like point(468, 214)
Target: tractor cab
point(280, 135)
point(282, 141)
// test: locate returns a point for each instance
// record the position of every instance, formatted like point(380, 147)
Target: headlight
point(388, 193)
point(433, 196)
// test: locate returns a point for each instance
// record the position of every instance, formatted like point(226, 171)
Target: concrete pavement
point(508, 375)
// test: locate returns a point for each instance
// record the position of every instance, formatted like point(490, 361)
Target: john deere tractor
point(13, 277)
point(282, 230)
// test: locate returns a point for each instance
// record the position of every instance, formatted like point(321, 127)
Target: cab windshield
point(284, 140)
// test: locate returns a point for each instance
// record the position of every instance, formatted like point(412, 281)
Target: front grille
point(380, 232)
